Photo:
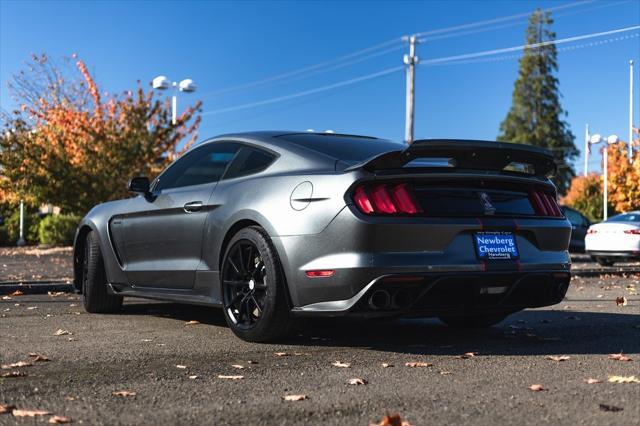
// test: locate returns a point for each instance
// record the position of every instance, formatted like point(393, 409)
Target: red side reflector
point(382, 201)
point(404, 200)
point(591, 231)
point(362, 200)
point(321, 273)
point(632, 231)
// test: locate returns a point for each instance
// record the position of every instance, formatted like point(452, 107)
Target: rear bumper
point(362, 250)
point(447, 294)
point(630, 254)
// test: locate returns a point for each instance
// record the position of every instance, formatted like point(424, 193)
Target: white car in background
point(615, 240)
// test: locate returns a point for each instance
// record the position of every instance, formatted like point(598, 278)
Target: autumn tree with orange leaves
point(74, 146)
point(585, 193)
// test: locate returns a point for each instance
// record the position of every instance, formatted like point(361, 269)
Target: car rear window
point(350, 149)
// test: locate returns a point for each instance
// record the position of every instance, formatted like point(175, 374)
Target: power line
point(336, 62)
point(306, 92)
point(498, 20)
point(398, 68)
point(527, 46)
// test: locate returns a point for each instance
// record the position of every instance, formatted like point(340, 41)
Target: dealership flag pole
point(630, 111)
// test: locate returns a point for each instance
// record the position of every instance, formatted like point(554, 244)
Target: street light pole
point(595, 139)
point(586, 150)
point(21, 241)
point(163, 83)
point(630, 111)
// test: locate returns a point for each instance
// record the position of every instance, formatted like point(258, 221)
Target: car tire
point(258, 311)
point(604, 261)
point(474, 321)
point(95, 296)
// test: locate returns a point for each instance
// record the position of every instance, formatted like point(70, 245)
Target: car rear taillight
point(386, 199)
point(591, 231)
point(544, 204)
point(632, 231)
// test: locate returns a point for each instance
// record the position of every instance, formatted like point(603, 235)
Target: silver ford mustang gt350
point(271, 226)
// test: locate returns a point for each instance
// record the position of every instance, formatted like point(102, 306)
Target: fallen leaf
point(16, 364)
point(62, 332)
point(621, 301)
point(444, 373)
point(124, 393)
point(623, 379)
point(294, 397)
point(610, 408)
point(357, 381)
point(619, 357)
point(70, 398)
point(391, 420)
point(281, 354)
point(386, 365)
point(230, 377)
point(14, 374)
point(418, 364)
point(55, 293)
point(29, 413)
point(192, 322)
point(6, 298)
point(193, 377)
point(591, 381)
point(558, 358)
point(6, 409)
point(341, 364)
point(31, 308)
point(58, 420)
point(38, 358)
point(16, 293)
point(467, 355)
point(238, 366)
point(536, 388)
point(182, 367)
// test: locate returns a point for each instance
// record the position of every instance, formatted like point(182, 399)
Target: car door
point(578, 229)
point(163, 232)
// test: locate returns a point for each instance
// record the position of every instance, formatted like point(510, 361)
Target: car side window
point(573, 217)
point(249, 161)
point(204, 164)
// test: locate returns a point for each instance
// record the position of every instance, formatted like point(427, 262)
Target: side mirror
point(139, 185)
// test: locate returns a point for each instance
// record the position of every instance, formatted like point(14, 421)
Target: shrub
point(31, 222)
point(4, 237)
point(58, 230)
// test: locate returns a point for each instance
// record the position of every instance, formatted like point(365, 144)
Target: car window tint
point(249, 161)
point(204, 164)
point(626, 217)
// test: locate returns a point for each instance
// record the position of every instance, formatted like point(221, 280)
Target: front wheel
point(253, 288)
point(474, 321)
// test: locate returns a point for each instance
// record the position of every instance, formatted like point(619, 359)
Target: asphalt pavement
point(174, 366)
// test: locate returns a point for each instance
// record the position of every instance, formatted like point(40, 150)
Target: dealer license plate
point(496, 246)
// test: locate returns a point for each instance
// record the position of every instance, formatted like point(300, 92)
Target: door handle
point(193, 206)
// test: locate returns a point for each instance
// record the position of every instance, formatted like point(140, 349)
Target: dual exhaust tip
point(382, 299)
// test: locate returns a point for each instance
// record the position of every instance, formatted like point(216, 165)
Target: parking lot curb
point(36, 287)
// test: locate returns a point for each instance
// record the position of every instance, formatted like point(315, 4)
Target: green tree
point(536, 116)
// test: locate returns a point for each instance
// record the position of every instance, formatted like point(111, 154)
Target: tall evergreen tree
point(536, 116)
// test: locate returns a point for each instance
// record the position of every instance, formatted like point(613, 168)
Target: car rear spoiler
point(468, 154)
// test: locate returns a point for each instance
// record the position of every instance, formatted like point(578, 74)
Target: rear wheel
point(95, 296)
point(253, 288)
point(603, 261)
point(474, 321)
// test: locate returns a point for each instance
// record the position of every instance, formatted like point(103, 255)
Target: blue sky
point(226, 44)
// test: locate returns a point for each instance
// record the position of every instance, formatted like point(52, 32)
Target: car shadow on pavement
point(530, 332)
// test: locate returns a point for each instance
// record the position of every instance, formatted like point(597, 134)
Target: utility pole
point(630, 111)
point(410, 60)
